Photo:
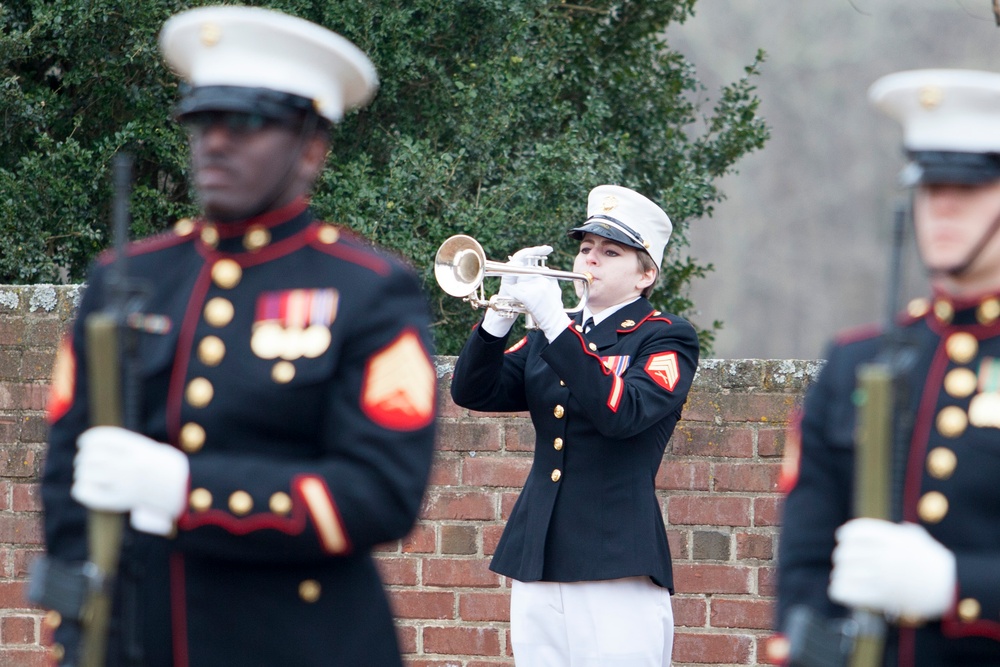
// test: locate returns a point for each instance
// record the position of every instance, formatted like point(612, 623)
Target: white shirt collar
point(607, 312)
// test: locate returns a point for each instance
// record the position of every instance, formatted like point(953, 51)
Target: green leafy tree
point(495, 118)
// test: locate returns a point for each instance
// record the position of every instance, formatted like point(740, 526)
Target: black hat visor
point(260, 101)
point(609, 228)
point(939, 167)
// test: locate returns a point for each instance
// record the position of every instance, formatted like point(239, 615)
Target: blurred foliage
point(495, 118)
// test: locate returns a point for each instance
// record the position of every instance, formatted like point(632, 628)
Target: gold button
point(988, 311)
point(201, 500)
point(283, 372)
point(969, 610)
point(240, 503)
point(962, 347)
point(183, 227)
point(57, 652)
point(933, 507)
point(960, 382)
point(556, 475)
point(593, 347)
point(226, 273)
point(210, 236)
point(309, 590)
point(199, 392)
point(257, 237)
point(280, 503)
point(562, 383)
point(579, 328)
point(558, 444)
point(559, 411)
point(944, 311)
point(211, 350)
point(952, 421)
point(917, 308)
point(941, 462)
point(53, 619)
point(219, 312)
point(328, 234)
point(192, 437)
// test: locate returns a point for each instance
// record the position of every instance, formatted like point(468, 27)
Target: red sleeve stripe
point(324, 514)
point(617, 388)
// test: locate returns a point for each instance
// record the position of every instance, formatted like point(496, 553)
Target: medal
point(984, 410)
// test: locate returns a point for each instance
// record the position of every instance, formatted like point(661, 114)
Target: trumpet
point(460, 266)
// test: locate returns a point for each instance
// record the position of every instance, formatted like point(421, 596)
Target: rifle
point(83, 592)
point(883, 418)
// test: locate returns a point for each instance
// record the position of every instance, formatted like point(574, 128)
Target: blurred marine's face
point(951, 220)
point(242, 162)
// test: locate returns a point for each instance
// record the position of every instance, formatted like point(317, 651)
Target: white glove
point(497, 324)
point(895, 568)
point(116, 470)
point(543, 299)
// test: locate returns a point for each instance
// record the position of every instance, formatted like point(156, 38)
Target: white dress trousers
point(616, 623)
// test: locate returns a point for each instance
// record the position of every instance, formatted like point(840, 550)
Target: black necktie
point(588, 325)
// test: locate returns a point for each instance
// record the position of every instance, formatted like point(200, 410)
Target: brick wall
point(717, 487)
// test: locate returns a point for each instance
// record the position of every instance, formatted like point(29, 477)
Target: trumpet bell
point(460, 265)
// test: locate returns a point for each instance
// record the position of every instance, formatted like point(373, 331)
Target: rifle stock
point(872, 488)
point(104, 529)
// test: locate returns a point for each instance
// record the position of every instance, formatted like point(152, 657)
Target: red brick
point(495, 471)
point(487, 663)
point(416, 604)
point(445, 472)
point(713, 441)
point(18, 630)
point(519, 436)
point(704, 578)
point(484, 607)
point(750, 613)
point(712, 648)
point(461, 641)
point(446, 407)
point(767, 581)
point(767, 511)
point(754, 546)
point(468, 436)
point(20, 529)
point(422, 539)
point(760, 477)
point(709, 511)
point(23, 558)
point(467, 572)
point(12, 595)
point(507, 502)
point(757, 407)
point(680, 475)
point(771, 442)
point(691, 612)
point(26, 657)
point(397, 571)
point(491, 536)
point(23, 396)
point(679, 541)
point(26, 498)
point(458, 505)
point(406, 635)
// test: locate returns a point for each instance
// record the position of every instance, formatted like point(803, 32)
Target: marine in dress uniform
point(935, 572)
point(603, 403)
point(287, 392)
